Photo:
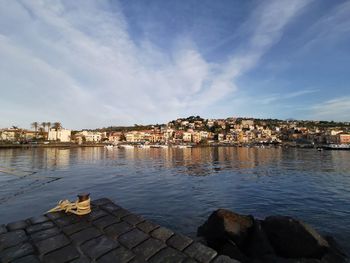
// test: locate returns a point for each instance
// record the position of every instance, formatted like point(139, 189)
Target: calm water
point(179, 188)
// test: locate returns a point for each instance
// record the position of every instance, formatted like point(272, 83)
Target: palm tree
point(35, 125)
point(43, 124)
point(57, 125)
point(48, 124)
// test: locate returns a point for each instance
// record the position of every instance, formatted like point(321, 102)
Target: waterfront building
point(8, 135)
point(61, 135)
point(187, 137)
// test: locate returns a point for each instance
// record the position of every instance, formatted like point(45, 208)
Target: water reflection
point(180, 187)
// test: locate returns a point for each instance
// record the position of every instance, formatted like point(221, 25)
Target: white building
point(91, 136)
point(61, 135)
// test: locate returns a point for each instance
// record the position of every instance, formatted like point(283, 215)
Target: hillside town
point(193, 130)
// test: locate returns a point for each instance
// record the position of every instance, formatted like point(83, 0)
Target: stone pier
point(108, 234)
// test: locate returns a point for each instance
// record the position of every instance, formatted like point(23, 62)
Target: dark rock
point(292, 238)
point(224, 224)
point(229, 248)
point(259, 245)
point(335, 253)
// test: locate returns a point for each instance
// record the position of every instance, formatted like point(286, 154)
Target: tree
point(122, 137)
point(35, 125)
point(48, 124)
point(43, 124)
point(57, 125)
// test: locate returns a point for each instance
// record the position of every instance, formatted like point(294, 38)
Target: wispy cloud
point(76, 62)
point(335, 109)
point(279, 97)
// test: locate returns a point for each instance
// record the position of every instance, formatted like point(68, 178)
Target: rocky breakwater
point(279, 239)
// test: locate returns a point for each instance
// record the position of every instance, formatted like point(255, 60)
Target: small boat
point(143, 146)
point(127, 146)
point(109, 146)
point(337, 147)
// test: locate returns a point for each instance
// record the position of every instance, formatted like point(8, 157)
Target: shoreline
point(53, 145)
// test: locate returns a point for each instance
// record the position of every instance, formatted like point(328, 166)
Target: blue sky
point(90, 64)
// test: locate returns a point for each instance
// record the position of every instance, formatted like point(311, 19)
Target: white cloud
point(335, 109)
point(78, 64)
point(279, 97)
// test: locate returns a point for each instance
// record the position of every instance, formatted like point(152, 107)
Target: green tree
point(48, 124)
point(35, 125)
point(57, 125)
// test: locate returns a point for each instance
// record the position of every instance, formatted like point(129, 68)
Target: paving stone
point(105, 221)
point(85, 235)
point(56, 215)
point(38, 219)
point(101, 201)
point(189, 260)
point(37, 236)
point(13, 238)
point(120, 213)
point(138, 259)
point(132, 238)
point(110, 207)
point(115, 230)
point(167, 255)
point(3, 229)
point(120, 255)
point(17, 225)
point(27, 259)
point(200, 252)
point(81, 259)
point(95, 214)
point(147, 226)
point(149, 247)
point(39, 227)
point(224, 259)
point(97, 247)
point(133, 219)
point(67, 220)
point(52, 243)
point(74, 228)
point(162, 233)
point(64, 254)
point(180, 242)
point(17, 251)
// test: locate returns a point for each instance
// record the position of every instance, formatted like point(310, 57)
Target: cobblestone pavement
point(108, 234)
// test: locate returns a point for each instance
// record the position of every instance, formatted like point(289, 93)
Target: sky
point(90, 64)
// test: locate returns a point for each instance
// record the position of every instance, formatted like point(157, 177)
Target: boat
point(127, 146)
point(337, 147)
point(143, 146)
point(109, 146)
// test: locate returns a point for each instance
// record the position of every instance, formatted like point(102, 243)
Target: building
point(61, 135)
point(187, 137)
point(8, 135)
point(114, 137)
